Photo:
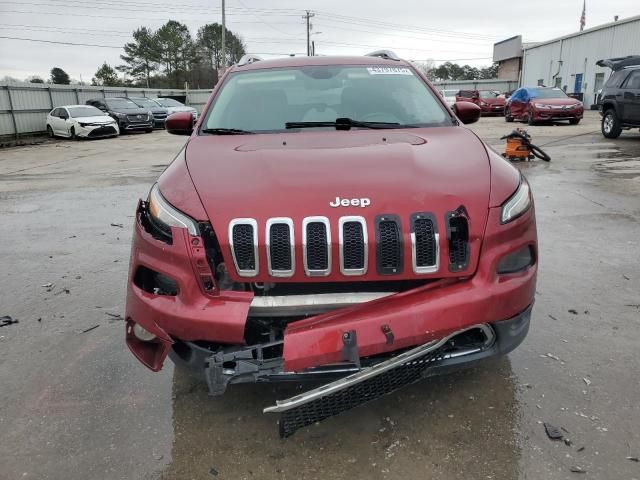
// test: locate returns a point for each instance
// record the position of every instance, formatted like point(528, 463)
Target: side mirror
point(467, 112)
point(179, 123)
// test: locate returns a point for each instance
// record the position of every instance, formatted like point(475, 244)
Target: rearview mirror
point(180, 123)
point(467, 112)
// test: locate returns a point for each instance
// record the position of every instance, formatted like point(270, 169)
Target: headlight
point(83, 124)
point(517, 204)
point(540, 105)
point(120, 115)
point(484, 104)
point(166, 215)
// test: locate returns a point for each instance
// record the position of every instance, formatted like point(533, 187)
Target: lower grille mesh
point(363, 392)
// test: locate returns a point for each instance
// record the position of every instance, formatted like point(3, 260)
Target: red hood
point(296, 175)
point(556, 101)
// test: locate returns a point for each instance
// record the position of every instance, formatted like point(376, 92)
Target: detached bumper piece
point(359, 388)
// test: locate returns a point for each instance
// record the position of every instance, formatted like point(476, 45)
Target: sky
point(461, 31)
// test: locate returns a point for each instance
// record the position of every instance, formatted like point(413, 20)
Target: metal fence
point(24, 106)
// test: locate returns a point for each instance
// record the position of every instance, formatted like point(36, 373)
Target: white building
point(569, 62)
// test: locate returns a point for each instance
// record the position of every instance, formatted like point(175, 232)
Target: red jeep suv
point(330, 218)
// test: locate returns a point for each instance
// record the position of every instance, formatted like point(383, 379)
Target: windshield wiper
point(225, 131)
point(344, 124)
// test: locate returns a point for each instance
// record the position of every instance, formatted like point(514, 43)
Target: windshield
point(488, 94)
point(168, 102)
point(145, 102)
point(124, 103)
point(265, 100)
point(79, 112)
point(548, 93)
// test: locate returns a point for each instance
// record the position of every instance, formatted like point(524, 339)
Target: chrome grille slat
point(243, 241)
point(354, 245)
point(316, 246)
point(280, 247)
point(425, 243)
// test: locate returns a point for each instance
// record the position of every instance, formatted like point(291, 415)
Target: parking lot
point(76, 404)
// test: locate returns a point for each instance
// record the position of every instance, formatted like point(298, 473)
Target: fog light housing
point(142, 334)
point(517, 261)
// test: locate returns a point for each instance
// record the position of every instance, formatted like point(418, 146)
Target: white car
point(174, 106)
point(449, 96)
point(74, 121)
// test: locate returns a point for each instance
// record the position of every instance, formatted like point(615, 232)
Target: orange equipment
point(520, 148)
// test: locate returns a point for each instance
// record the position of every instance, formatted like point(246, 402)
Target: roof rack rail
point(248, 59)
point(386, 54)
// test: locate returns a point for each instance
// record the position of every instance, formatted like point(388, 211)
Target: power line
point(267, 24)
point(326, 26)
point(51, 27)
point(146, 17)
point(113, 46)
point(62, 43)
point(91, 34)
point(399, 27)
point(145, 8)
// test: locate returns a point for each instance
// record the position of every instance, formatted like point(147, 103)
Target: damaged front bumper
point(206, 328)
point(352, 384)
point(257, 363)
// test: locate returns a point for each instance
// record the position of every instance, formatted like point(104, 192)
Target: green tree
point(35, 79)
point(209, 39)
point(106, 76)
point(141, 56)
point(488, 73)
point(59, 76)
point(177, 51)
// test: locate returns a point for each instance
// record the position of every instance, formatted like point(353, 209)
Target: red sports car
point(543, 104)
point(490, 102)
point(330, 218)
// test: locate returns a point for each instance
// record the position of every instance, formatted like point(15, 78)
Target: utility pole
point(308, 16)
point(224, 31)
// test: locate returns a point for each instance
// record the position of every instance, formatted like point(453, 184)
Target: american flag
point(583, 17)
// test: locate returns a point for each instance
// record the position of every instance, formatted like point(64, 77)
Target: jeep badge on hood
point(353, 202)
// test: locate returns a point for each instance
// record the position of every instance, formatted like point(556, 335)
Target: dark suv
point(128, 115)
point(619, 102)
point(159, 113)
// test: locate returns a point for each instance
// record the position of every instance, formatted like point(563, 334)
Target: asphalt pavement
point(75, 404)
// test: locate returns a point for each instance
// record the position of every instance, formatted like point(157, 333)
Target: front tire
point(72, 133)
point(610, 125)
point(530, 120)
point(149, 130)
point(50, 132)
point(574, 121)
point(507, 116)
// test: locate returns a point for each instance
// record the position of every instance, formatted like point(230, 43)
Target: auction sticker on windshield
point(389, 71)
